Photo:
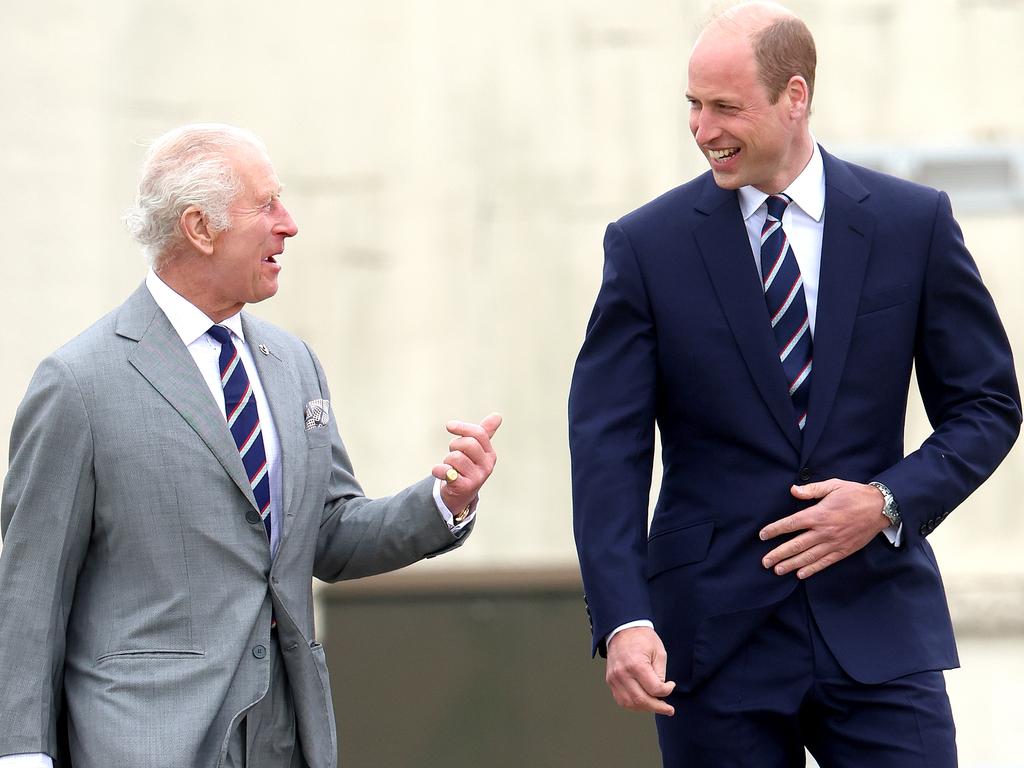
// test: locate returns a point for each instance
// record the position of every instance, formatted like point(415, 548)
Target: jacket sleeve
point(46, 517)
point(360, 536)
point(611, 439)
point(966, 377)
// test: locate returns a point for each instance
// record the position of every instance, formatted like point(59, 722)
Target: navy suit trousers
point(783, 690)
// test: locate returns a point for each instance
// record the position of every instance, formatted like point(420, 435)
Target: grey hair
point(187, 166)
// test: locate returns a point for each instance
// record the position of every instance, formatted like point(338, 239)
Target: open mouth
point(722, 155)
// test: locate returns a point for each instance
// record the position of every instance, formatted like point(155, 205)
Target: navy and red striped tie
point(787, 305)
point(244, 420)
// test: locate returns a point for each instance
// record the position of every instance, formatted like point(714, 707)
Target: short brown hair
point(782, 50)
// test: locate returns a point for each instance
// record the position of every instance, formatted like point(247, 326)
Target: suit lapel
point(846, 243)
point(164, 361)
point(725, 248)
point(286, 406)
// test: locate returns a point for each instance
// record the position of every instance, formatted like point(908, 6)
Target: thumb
point(660, 663)
point(491, 423)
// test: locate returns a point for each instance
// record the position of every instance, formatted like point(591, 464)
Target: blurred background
point(452, 165)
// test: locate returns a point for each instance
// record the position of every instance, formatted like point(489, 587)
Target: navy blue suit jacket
point(680, 337)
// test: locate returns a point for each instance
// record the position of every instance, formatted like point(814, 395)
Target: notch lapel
point(725, 248)
point(163, 360)
point(846, 244)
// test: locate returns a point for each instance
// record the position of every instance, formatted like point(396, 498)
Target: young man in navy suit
point(767, 316)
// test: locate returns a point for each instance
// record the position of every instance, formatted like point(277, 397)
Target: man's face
point(746, 139)
point(243, 265)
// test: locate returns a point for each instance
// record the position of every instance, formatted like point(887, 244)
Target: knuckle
point(633, 666)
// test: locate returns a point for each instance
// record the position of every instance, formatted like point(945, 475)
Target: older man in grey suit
point(176, 480)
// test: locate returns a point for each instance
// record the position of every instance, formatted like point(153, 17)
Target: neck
point(798, 156)
point(181, 274)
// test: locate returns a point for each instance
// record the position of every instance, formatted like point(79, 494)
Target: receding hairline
point(749, 18)
point(778, 40)
point(744, 21)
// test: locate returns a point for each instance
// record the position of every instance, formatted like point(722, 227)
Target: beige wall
point(452, 166)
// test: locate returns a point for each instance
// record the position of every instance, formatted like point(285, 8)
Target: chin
point(264, 294)
point(726, 181)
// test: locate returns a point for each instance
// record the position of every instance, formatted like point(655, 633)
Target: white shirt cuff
point(449, 518)
point(628, 625)
point(32, 760)
point(894, 533)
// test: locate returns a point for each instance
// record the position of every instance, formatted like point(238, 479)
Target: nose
point(286, 224)
point(703, 126)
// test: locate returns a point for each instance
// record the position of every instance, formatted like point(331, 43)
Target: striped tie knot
point(777, 205)
point(221, 334)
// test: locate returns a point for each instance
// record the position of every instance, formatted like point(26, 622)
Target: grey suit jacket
point(136, 584)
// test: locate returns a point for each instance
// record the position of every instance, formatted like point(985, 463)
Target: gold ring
point(452, 475)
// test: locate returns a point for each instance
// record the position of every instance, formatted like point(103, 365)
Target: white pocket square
point(318, 414)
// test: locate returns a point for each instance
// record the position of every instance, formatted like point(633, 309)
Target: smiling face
point(746, 139)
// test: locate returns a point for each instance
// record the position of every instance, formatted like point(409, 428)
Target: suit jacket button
point(805, 474)
point(923, 530)
point(259, 651)
point(252, 516)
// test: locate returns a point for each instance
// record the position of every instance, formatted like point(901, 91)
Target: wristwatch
point(890, 508)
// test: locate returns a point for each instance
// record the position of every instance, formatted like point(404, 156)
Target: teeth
point(722, 154)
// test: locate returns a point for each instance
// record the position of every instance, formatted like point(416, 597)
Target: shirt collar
point(807, 190)
point(190, 322)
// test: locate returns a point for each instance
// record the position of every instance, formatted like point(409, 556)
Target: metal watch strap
point(889, 508)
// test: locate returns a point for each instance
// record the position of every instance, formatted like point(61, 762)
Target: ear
point(196, 230)
point(798, 96)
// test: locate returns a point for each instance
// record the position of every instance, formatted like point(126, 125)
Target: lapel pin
point(264, 349)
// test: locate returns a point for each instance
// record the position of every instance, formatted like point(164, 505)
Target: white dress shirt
point(804, 223)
